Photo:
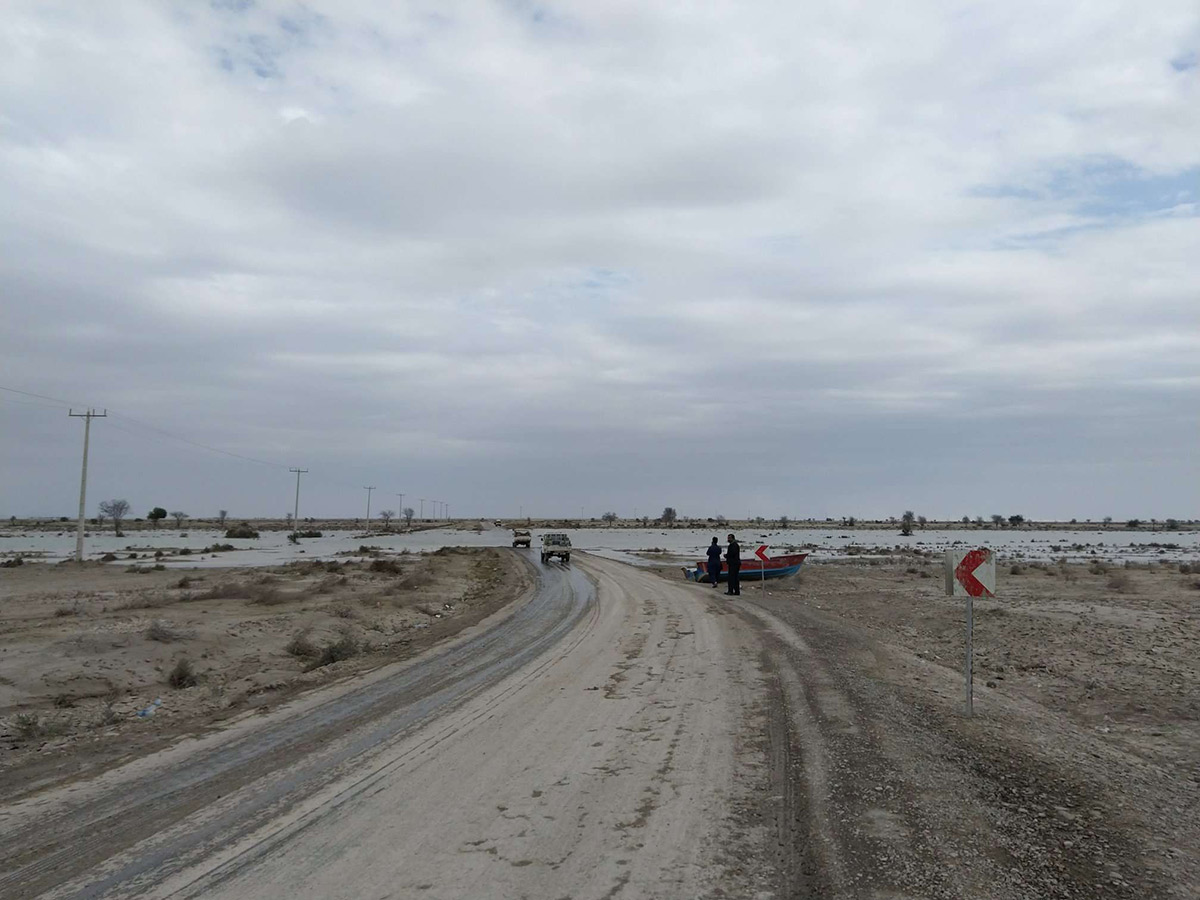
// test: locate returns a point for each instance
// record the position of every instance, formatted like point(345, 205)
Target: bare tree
point(784, 521)
point(609, 518)
point(669, 515)
point(222, 515)
point(408, 514)
point(906, 522)
point(387, 515)
point(1107, 521)
point(997, 519)
point(287, 518)
point(922, 521)
point(115, 510)
point(178, 516)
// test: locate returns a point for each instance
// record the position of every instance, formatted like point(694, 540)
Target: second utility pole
point(368, 490)
point(296, 511)
point(87, 427)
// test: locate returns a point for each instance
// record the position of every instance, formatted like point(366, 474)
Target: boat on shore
point(753, 569)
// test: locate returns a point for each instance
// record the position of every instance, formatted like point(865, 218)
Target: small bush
point(64, 701)
point(183, 582)
point(1015, 570)
point(162, 632)
point(107, 716)
point(1098, 568)
point(266, 595)
point(12, 563)
point(218, 548)
point(345, 647)
point(301, 646)
point(388, 566)
point(912, 570)
point(341, 611)
point(27, 725)
point(108, 557)
point(182, 676)
point(242, 530)
point(64, 611)
point(1121, 583)
point(1185, 569)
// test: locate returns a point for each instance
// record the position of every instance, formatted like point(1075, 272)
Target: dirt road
point(618, 735)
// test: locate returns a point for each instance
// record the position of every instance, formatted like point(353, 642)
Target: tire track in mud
point(887, 799)
point(283, 763)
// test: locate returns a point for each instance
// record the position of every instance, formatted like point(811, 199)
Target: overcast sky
point(826, 258)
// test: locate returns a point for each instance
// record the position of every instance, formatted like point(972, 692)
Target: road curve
point(589, 745)
point(131, 829)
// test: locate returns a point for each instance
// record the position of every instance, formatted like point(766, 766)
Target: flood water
point(634, 545)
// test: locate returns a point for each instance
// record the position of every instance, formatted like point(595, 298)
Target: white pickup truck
point(556, 544)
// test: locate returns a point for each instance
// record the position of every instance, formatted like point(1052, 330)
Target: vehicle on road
point(522, 538)
point(752, 569)
point(556, 544)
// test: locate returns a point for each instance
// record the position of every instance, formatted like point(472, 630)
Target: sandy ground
point(1079, 776)
point(84, 649)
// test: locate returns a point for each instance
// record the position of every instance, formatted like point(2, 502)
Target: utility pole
point(296, 511)
point(368, 490)
point(401, 496)
point(87, 427)
point(422, 509)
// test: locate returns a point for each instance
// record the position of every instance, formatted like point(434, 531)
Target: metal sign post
point(970, 573)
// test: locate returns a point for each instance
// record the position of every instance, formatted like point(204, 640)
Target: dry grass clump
point(1121, 583)
point(161, 631)
point(27, 726)
point(387, 566)
point(330, 583)
point(343, 648)
point(223, 591)
point(183, 675)
point(342, 611)
point(301, 646)
point(265, 595)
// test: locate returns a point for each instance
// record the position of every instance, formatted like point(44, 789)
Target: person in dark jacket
point(714, 562)
point(734, 557)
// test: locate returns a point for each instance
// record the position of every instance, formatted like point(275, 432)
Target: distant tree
point(669, 515)
point(922, 521)
point(997, 519)
point(645, 521)
point(1107, 521)
point(1172, 524)
point(906, 522)
point(222, 515)
point(387, 515)
point(784, 521)
point(155, 515)
point(721, 519)
point(1016, 520)
point(852, 521)
point(179, 516)
point(408, 514)
point(966, 520)
point(609, 518)
point(979, 520)
point(1074, 521)
point(99, 520)
point(115, 510)
point(1133, 524)
point(287, 518)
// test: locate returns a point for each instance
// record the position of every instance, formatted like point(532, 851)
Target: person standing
point(714, 562)
point(733, 556)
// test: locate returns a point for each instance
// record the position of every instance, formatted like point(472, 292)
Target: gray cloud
point(794, 259)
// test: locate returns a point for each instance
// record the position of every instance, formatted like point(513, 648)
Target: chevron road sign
point(970, 574)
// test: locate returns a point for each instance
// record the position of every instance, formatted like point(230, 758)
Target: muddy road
point(617, 734)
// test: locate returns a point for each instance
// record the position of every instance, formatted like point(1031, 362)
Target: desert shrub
point(1120, 582)
point(925, 574)
point(108, 557)
point(309, 533)
point(183, 582)
point(301, 646)
point(161, 631)
point(222, 591)
point(107, 715)
point(186, 551)
point(1185, 569)
point(344, 647)
point(388, 566)
point(63, 611)
point(64, 701)
point(267, 578)
point(241, 530)
point(159, 567)
point(912, 570)
point(27, 725)
point(1098, 568)
point(218, 548)
point(341, 611)
point(183, 675)
point(1015, 570)
point(266, 595)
